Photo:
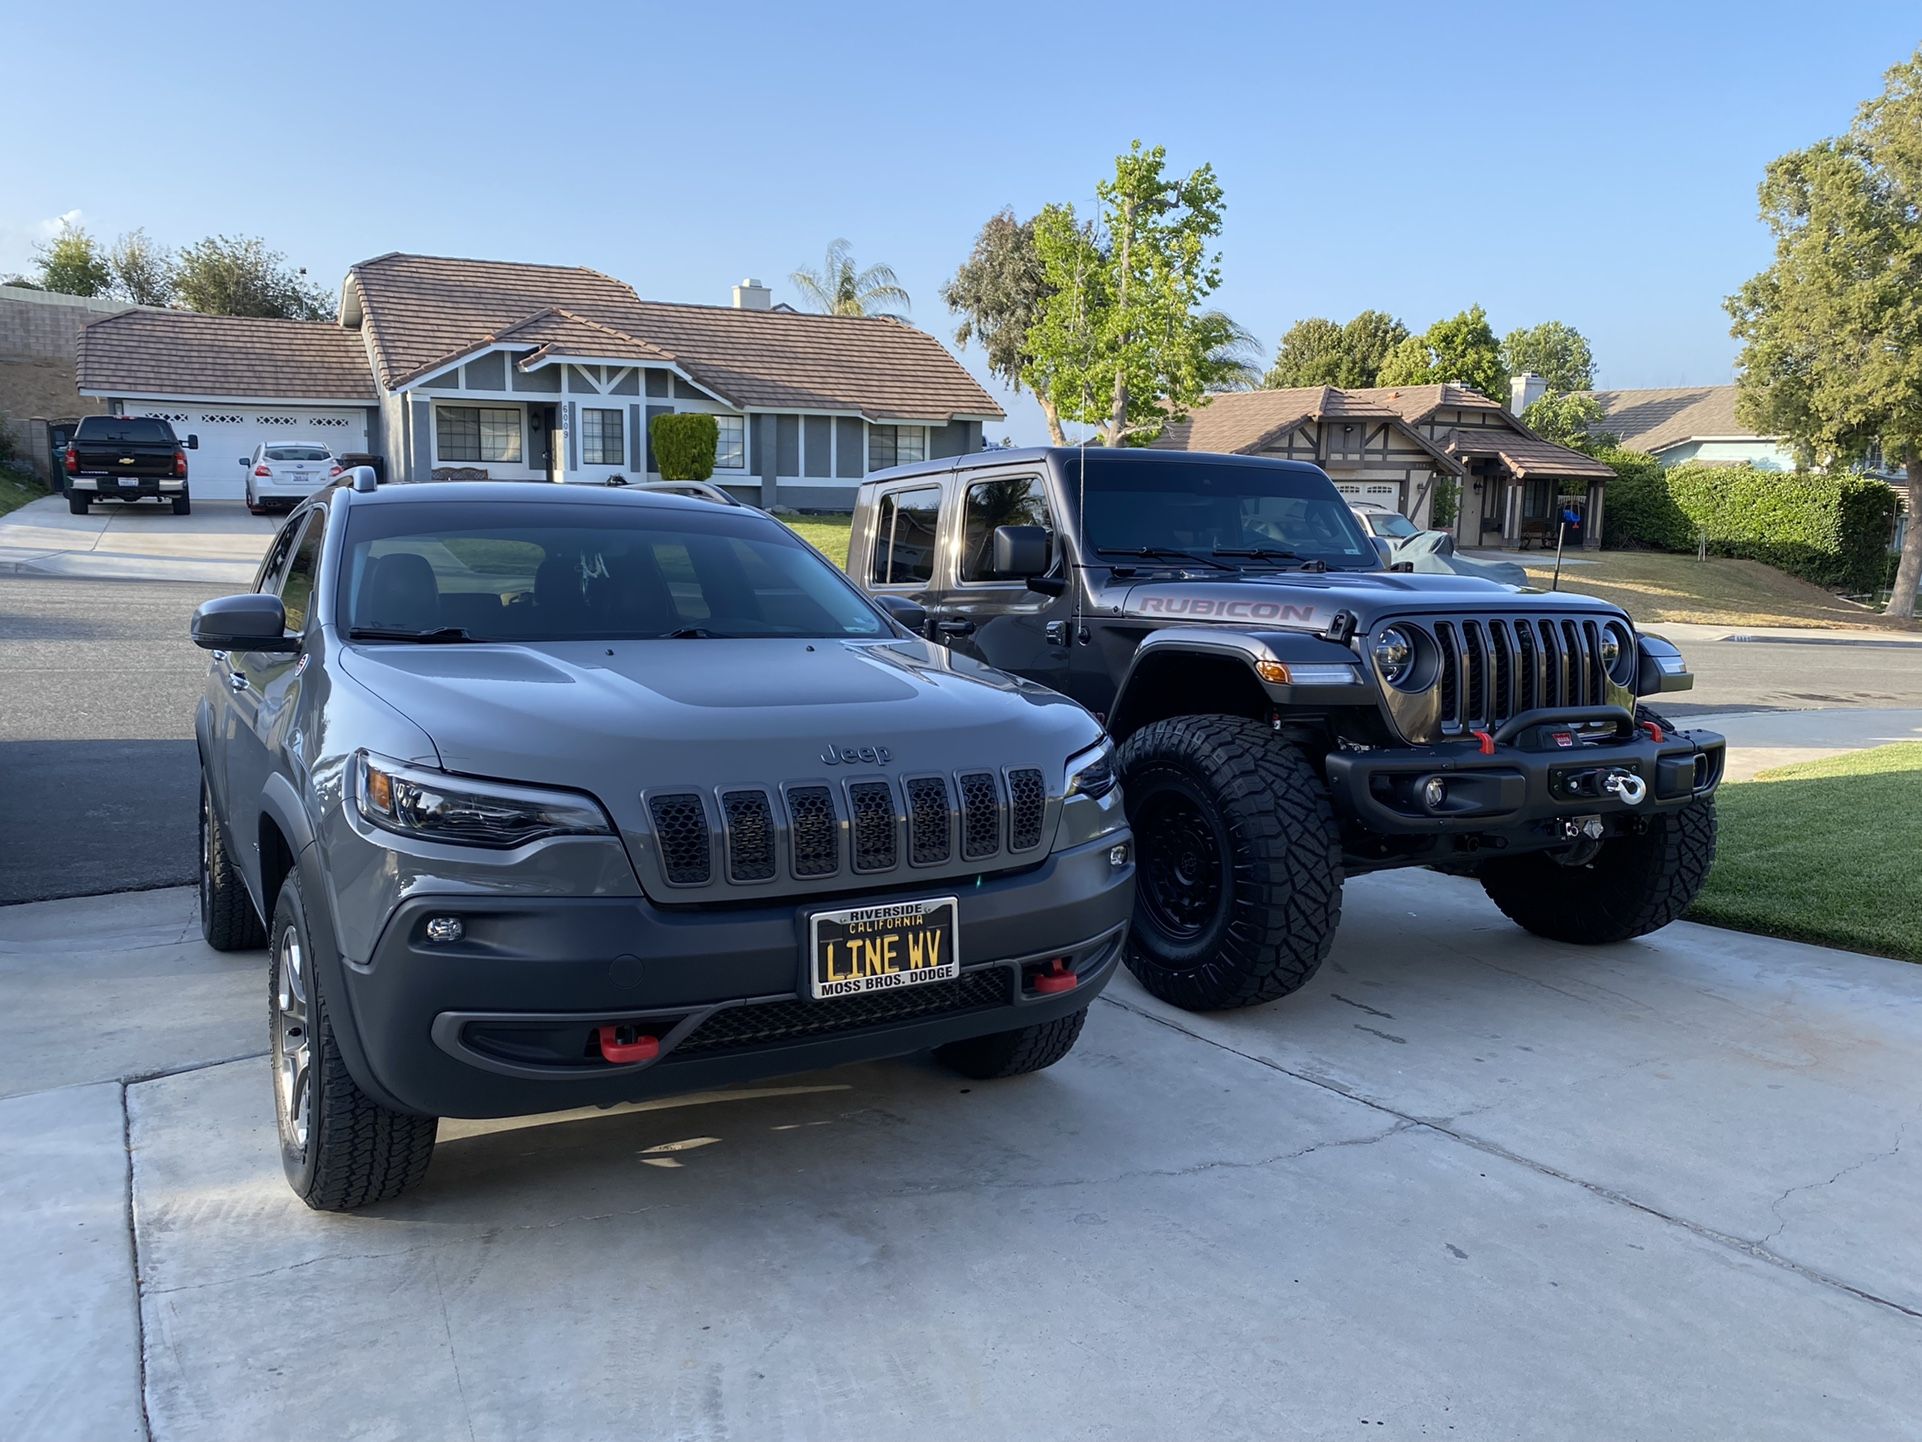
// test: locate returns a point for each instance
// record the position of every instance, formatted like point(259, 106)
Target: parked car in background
point(555, 796)
point(287, 472)
point(1378, 520)
point(126, 458)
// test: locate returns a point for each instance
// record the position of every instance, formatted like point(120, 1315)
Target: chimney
point(1523, 391)
point(750, 294)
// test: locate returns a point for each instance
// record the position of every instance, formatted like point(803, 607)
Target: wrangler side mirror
point(1020, 552)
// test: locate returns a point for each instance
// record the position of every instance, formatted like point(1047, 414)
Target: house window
point(478, 433)
point(896, 446)
point(730, 443)
point(601, 442)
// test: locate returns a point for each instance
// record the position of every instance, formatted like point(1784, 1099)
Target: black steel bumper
point(1539, 766)
point(505, 1022)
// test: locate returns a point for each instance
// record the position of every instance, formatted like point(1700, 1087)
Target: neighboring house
point(1689, 423)
point(536, 372)
point(1391, 445)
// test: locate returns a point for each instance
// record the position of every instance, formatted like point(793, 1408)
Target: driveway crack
point(1776, 1206)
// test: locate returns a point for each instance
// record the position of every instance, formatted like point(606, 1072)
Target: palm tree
point(1233, 354)
point(838, 288)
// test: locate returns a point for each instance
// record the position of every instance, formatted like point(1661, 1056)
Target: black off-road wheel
point(1013, 1053)
point(1237, 862)
point(227, 916)
point(1634, 884)
point(340, 1148)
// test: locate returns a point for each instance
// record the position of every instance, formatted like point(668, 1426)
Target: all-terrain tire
point(1013, 1053)
point(1275, 863)
point(1635, 884)
point(356, 1152)
point(77, 502)
point(227, 916)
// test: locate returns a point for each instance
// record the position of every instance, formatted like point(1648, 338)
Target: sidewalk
point(220, 542)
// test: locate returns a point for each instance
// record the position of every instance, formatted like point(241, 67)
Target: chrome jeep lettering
point(1209, 607)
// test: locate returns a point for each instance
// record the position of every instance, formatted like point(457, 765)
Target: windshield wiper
point(1270, 553)
point(1154, 553)
point(693, 633)
point(431, 636)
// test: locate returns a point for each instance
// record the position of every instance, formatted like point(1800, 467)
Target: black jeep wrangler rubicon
point(1291, 713)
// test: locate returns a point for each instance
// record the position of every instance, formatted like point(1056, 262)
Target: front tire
point(340, 1148)
point(1238, 862)
point(1013, 1053)
point(227, 916)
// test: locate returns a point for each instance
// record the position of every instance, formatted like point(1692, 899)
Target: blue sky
point(1594, 164)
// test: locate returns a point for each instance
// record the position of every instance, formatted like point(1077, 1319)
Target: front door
point(1494, 510)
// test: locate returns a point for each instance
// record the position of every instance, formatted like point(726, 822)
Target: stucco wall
point(1763, 455)
point(39, 339)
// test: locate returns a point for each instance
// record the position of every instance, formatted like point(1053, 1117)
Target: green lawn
point(827, 533)
point(1654, 586)
point(16, 490)
point(1826, 851)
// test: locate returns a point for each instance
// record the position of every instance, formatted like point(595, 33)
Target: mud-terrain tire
point(352, 1151)
point(227, 917)
point(1633, 885)
point(1013, 1053)
point(1238, 870)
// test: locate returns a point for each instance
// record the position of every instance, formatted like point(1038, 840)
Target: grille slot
point(814, 831)
point(1497, 667)
point(760, 1023)
point(871, 804)
point(980, 815)
point(680, 825)
point(928, 813)
point(1027, 800)
point(749, 821)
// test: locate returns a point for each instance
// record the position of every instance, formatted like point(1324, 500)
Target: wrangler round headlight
point(1394, 655)
point(1618, 653)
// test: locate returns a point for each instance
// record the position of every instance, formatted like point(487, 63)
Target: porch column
point(1592, 522)
point(1511, 512)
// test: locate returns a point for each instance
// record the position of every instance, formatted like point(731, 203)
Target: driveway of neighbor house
point(219, 543)
point(1468, 1181)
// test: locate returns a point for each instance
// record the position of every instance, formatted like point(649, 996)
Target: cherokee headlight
point(1618, 653)
point(1394, 654)
point(434, 806)
point(1092, 773)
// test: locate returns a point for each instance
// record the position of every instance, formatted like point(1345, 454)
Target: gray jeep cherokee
point(544, 798)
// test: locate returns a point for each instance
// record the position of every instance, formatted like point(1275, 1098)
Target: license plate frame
point(901, 944)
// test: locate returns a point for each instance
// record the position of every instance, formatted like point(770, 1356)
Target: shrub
point(1637, 509)
point(684, 445)
point(1447, 502)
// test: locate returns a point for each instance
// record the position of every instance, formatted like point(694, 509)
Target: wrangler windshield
point(1237, 512)
point(519, 571)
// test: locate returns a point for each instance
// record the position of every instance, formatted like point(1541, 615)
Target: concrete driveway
point(220, 543)
point(1467, 1183)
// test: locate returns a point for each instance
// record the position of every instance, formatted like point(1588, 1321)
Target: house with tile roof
point(538, 372)
point(1391, 445)
point(1689, 423)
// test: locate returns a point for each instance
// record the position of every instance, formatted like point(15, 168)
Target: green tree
point(997, 293)
point(1120, 342)
point(1317, 352)
point(142, 271)
point(840, 287)
point(1568, 419)
point(72, 263)
point(1558, 353)
point(1461, 348)
point(224, 275)
point(1831, 332)
point(685, 443)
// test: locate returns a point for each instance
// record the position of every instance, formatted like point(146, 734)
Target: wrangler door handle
point(955, 626)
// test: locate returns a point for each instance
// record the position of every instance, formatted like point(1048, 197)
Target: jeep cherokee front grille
point(750, 835)
point(1027, 803)
point(873, 820)
point(815, 831)
point(1493, 667)
point(928, 813)
point(680, 822)
point(980, 815)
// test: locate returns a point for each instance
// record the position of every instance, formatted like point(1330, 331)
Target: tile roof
point(1527, 456)
point(1649, 420)
point(173, 352)
point(422, 311)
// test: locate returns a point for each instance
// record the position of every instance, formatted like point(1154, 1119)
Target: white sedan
point(287, 472)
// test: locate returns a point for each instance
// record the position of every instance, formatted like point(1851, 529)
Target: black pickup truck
point(127, 458)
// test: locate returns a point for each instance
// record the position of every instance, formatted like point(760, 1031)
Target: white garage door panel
point(228, 435)
point(1380, 493)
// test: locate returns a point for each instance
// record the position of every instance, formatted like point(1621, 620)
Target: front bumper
point(502, 1023)
point(1539, 766)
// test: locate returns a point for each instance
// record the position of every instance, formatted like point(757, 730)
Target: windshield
point(1227, 511)
point(297, 453)
point(1392, 523)
point(514, 571)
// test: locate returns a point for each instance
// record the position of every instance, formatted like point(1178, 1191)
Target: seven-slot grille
point(1495, 667)
point(916, 822)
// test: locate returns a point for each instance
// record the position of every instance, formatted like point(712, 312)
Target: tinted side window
point(1012, 501)
point(904, 538)
point(276, 562)
point(297, 591)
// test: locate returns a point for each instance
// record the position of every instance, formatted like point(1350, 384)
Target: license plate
point(882, 948)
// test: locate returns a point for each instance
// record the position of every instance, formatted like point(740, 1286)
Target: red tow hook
point(641, 1048)
point(1488, 742)
point(1654, 731)
point(1057, 978)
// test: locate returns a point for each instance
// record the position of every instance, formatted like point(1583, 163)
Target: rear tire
point(340, 1148)
point(227, 916)
point(1634, 885)
point(77, 502)
point(1014, 1053)
point(1238, 862)
point(182, 504)
point(254, 508)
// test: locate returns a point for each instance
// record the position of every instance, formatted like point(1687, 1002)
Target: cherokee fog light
point(1118, 856)
point(1434, 793)
point(445, 929)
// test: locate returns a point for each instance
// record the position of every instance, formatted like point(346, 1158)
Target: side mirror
point(251, 622)
point(242, 461)
point(911, 614)
point(193, 443)
point(1020, 552)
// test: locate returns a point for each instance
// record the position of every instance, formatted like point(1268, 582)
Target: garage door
point(228, 435)
point(1380, 493)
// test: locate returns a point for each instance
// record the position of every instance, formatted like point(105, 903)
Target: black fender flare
point(1273, 660)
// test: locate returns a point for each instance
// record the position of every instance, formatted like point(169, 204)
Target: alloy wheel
point(1182, 853)
point(293, 1038)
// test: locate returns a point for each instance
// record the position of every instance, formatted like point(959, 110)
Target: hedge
point(1829, 528)
point(684, 443)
